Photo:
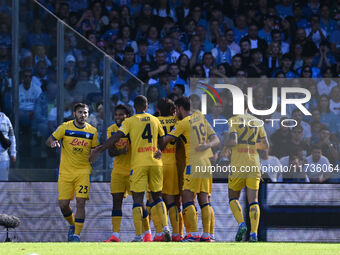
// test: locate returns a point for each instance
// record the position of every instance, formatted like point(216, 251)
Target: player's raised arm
point(213, 141)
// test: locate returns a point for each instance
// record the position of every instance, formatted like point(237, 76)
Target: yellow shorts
point(80, 185)
point(237, 184)
point(120, 183)
point(170, 180)
point(238, 180)
point(142, 178)
point(196, 184)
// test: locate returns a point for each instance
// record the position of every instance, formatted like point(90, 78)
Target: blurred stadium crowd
point(165, 43)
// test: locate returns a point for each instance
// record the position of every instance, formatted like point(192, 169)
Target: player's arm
point(213, 141)
point(113, 151)
point(163, 141)
point(107, 144)
point(52, 142)
point(231, 139)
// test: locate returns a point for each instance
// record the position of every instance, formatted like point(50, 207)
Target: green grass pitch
point(170, 248)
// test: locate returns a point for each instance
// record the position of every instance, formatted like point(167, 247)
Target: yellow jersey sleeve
point(59, 132)
point(95, 141)
point(177, 130)
point(262, 133)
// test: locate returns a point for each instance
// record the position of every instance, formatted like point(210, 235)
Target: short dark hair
point(316, 146)
point(125, 108)
point(184, 102)
point(140, 102)
point(181, 87)
point(245, 40)
point(80, 105)
point(129, 49)
point(166, 106)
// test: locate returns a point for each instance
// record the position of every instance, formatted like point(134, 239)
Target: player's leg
point(137, 214)
point(117, 200)
point(138, 186)
point(66, 194)
point(189, 216)
point(180, 215)
point(146, 225)
point(82, 189)
point(234, 191)
point(171, 203)
point(254, 213)
point(203, 201)
point(212, 222)
point(156, 184)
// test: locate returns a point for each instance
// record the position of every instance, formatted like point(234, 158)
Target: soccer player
point(244, 138)
point(198, 138)
point(77, 139)
point(170, 190)
point(120, 173)
point(143, 130)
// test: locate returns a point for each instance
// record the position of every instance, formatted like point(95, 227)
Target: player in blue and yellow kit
point(146, 166)
point(198, 138)
point(77, 139)
point(245, 136)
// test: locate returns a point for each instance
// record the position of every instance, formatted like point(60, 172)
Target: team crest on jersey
point(87, 136)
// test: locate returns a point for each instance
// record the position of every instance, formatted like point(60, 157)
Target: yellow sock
point(173, 214)
point(79, 224)
point(237, 210)
point(180, 222)
point(156, 220)
point(206, 217)
point(145, 221)
point(116, 220)
point(189, 216)
point(137, 214)
point(254, 216)
point(160, 209)
point(212, 222)
point(69, 218)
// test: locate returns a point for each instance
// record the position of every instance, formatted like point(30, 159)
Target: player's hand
point(55, 144)
point(124, 150)
point(94, 155)
point(202, 147)
point(158, 154)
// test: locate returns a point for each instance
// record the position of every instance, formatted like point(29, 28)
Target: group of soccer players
point(158, 156)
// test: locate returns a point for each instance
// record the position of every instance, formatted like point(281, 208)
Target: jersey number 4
point(147, 133)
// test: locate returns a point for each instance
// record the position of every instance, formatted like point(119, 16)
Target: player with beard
point(198, 137)
point(77, 139)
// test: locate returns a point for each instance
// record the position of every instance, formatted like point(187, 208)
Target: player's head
point(80, 113)
point(121, 112)
point(140, 103)
point(166, 107)
point(182, 107)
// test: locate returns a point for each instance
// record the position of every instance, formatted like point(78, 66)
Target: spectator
point(326, 23)
point(265, 32)
point(171, 55)
point(274, 55)
point(255, 41)
point(326, 116)
point(240, 29)
point(174, 77)
point(284, 9)
point(232, 45)
point(334, 103)
point(315, 32)
point(184, 67)
point(196, 15)
point(195, 52)
point(256, 67)
point(329, 148)
point(316, 164)
point(280, 140)
point(153, 97)
point(276, 37)
point(306, 129)
point(142, 55)
point(245, 52)
point(163, 10)
point(153, 40)
point(204, 41)
point(236, 64)
point(160, 65)
point(296, 52)
point(327, 83)
point(288, 29)
point(40, 55)
point(268, 162)
point(38, 35)
point(301, 22)
point(324, 58)
point(125, 34)
point(294, 162)
point(179, 90)
point(334, 40)
point(7, 146)
point(208, 63)
point(221, 52)
point(129, 61)
point(28, 94)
